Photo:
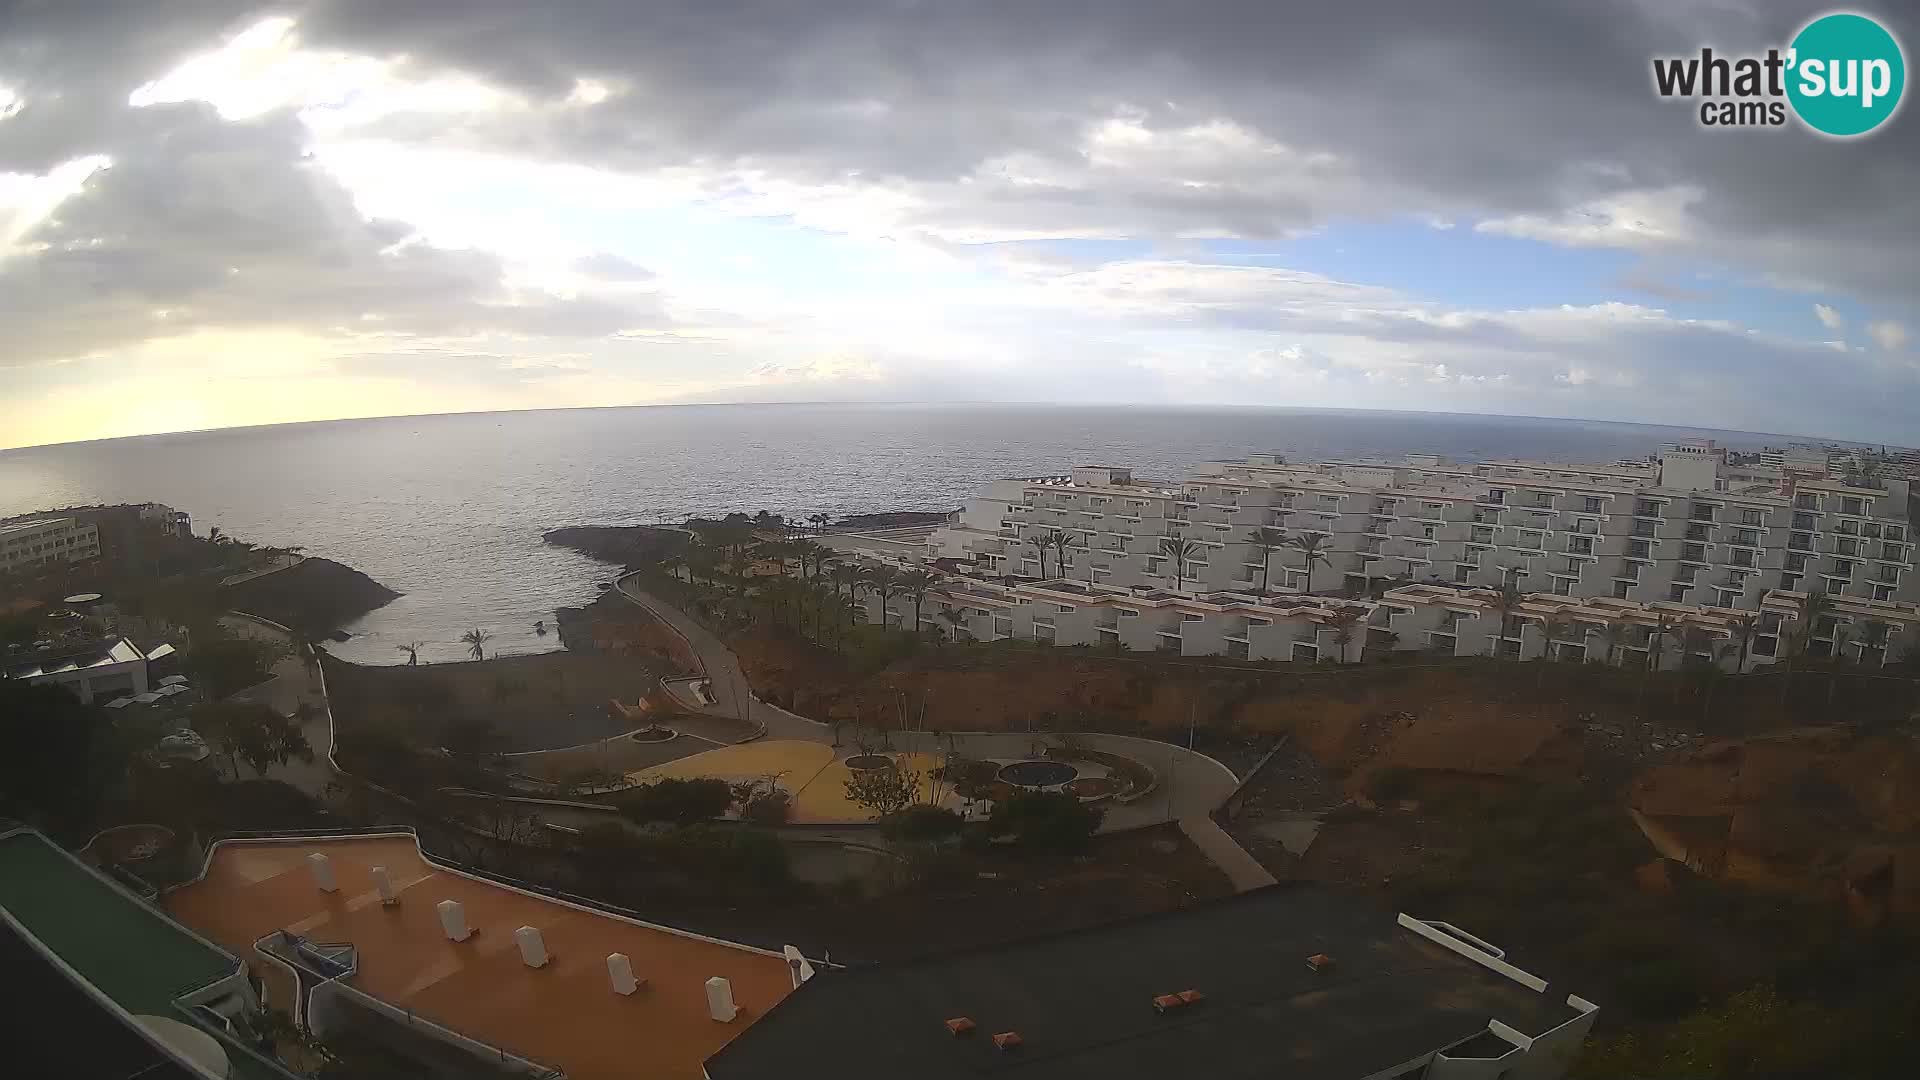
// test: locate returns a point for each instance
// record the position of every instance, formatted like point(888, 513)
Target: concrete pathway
point(292, 685)
point(1190, 783)
point(728, 682)
point(1241, 868)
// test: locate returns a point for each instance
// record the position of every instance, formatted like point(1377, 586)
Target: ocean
point(449, 509)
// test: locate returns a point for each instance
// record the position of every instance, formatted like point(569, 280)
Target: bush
point(770, 807)
point(921, 824)
point(1046, 821)
point(680, 802)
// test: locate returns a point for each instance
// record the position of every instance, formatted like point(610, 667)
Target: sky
point(220, 213)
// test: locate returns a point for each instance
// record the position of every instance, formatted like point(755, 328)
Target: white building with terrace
point(1687, 529)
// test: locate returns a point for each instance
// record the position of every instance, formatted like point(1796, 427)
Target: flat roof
point(563, 1015)
point(62, 659)
point(131, 952)
point(1082, 1001)
point(82, 1038)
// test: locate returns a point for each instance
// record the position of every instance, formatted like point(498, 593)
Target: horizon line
point(1824, 439)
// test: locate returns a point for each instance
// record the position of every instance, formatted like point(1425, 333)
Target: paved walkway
point(728, 683)
point(1190, 783)
point(292, 685)
point(1241, 868)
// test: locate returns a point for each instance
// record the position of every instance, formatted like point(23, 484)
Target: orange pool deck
point(563, 1015)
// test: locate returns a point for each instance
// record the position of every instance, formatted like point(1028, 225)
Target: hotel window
point(1563, 586)
point(1850, 505)
point(1594, 504)
point(1883, 592)
point(1752, 517)
point(1729, 598)
point(1461, 572)
point(1639, 549)
point(1677, 593)
point(1620, 590)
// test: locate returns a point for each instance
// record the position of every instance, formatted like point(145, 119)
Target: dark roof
point(69, 1033)
point(1083, 1001)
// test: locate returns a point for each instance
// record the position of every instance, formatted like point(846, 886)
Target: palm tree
point(843, 577)
point(1507, 601)
point(819, 521)
point(1555, 628)
point(1312, 548)
point(956, 619)
point(858, 581)
point(1343, 623)
point(1062, 540)
point(1873, 638)
point(1615, 635)
point(1657, 637)
point(914, 585)
point(1744, 629)
point(1041, 544)
point(884, 581)
point(1266, 540)
point(473, 640)
point(1835, 659)
point(1179, 549)
point(412, 649)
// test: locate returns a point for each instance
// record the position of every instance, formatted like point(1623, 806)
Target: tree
point(1873, 639)
point(1312, 548)
point(475, 640)
point(1043, 543)
point(1266, 540)
point(57, 757)
point(884, 791)
point(251, 732)
point(1062, 540)
point(222, 665)
point(1744, 629)
point(1615, 635)
point(884, 581)
point(1507, 601)
point(679, 802)
point(914, 585)
point(956, 620)
point(1344, 623)
point(1179, 549)
point(819, 521)
point(412, 649)
point(1046, 821)
point(858, 581)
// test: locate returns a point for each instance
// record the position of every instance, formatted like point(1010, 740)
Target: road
point(728, 683)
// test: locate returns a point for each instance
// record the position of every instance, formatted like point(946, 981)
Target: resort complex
point(1268, 560)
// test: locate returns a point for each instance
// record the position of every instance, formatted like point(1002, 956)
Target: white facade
point(27, 546)
point(100, 670)
point(1689, 530)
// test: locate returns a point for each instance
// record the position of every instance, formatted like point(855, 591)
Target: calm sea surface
point(449, 509)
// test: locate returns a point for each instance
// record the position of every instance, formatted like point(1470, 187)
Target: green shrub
point(680, 802)
point(921, 824)
point(1046, 821)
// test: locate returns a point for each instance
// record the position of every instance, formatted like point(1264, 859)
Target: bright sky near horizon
point(218, 213)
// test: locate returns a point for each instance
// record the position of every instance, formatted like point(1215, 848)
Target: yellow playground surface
point(813, 773)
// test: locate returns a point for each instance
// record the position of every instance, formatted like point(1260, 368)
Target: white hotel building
point(1689, 538)
point(28, 545)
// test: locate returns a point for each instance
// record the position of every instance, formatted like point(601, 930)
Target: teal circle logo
point(1845, 75)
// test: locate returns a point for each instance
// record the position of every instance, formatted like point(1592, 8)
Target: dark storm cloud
point(1483, 107)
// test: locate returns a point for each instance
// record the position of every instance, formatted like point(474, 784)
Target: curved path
point(1190, 783)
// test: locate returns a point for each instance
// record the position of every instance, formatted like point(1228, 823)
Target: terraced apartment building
point(1687, 529)
point(1693, 538)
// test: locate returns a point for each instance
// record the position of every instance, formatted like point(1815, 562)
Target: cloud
point(868, 198)
point(1828, 317)
point(1888, 334)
